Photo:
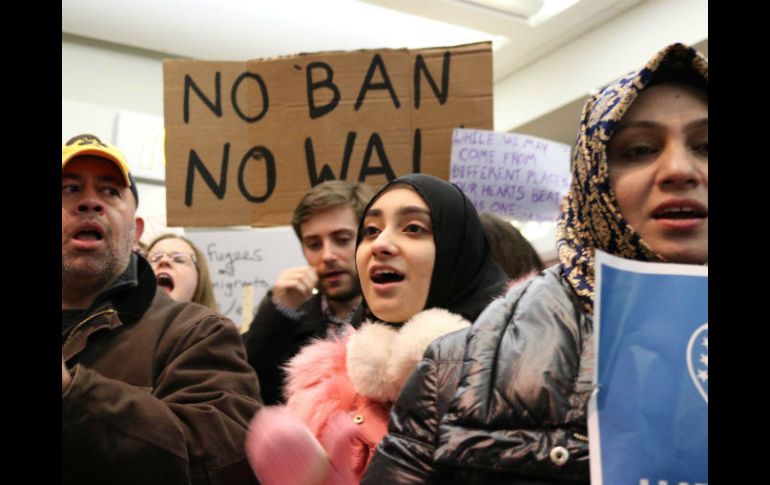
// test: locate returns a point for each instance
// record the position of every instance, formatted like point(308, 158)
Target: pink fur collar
point(374, 362)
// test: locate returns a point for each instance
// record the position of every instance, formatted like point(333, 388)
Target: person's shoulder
point(543, 304)
point(182, 315)
point(546, 280)
point(448, 348)
point(320, 348)
point(542, 298)
point(540, 291)
point(499, 313)
point(321, 357)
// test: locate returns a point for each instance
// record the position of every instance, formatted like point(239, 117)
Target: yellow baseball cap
point(88, 144)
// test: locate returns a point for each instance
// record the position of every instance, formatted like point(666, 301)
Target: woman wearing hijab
point(425, 271)
point(506, 400)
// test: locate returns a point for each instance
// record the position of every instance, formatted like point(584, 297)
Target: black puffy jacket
point(504, 401)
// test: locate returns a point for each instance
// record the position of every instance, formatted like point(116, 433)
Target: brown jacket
point(161, 391)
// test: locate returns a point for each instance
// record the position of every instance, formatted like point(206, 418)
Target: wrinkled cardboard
point(285, 125)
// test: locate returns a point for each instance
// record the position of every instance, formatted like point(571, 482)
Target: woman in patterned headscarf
point(594, 216)
point(505, 401)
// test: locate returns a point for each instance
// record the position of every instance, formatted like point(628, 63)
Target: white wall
point(601, 55)
point(111, 76)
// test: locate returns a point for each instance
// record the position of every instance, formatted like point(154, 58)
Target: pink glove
point(283, 451)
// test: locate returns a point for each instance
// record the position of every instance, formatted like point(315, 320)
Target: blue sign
point(648, 418)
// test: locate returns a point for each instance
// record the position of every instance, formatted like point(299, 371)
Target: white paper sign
point(239, 259)
point(515, 176)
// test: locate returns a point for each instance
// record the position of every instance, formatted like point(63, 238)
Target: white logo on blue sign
point(698, 360)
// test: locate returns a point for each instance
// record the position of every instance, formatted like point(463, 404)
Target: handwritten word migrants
point(243, 260)
point(516, 176)
point(245, 140)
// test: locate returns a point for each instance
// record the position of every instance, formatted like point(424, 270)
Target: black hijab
point(464, 278)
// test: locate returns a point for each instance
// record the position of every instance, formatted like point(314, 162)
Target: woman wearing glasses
point(181, 270)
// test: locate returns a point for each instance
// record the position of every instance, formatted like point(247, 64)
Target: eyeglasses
point(183, 259)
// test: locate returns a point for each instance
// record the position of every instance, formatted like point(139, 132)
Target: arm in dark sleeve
point(103, 441)
point(270, 342)
point(189, 428)
point(405, 454)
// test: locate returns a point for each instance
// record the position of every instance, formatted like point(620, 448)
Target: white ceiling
point(250, 29)
point(543, 69)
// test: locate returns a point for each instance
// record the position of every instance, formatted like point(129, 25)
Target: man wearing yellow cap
point(153, 390)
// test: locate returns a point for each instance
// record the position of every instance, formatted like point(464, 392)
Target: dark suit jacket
point(274, 338)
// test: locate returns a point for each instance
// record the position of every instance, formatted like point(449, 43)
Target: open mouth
point(680, 213)
point(386, 276)
point(88, 235)
point(165, 281)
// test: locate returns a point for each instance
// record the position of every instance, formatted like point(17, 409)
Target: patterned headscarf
point(590, 218)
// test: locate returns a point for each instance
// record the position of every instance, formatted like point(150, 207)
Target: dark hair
point(331, 195)
point(509, 248)
point(204, 291)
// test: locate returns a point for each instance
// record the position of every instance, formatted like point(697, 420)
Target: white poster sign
point(245, 264)
point(515, 176)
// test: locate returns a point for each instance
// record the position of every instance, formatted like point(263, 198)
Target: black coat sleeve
point(273, 338)
point(405, 454)
point(189, 428)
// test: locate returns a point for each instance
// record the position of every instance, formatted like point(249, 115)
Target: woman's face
point(658, 168)
point(396, 255)
point(175, 270)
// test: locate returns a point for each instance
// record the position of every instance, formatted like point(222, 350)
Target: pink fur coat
point(332, 383)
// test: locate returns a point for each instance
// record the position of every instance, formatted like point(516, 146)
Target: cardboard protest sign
point(245, 140)
point(648, 418)
point(516, 176)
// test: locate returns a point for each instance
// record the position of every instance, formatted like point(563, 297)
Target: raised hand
point(294, 287)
